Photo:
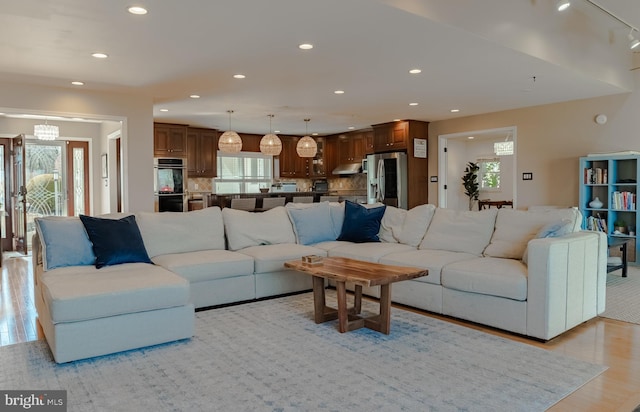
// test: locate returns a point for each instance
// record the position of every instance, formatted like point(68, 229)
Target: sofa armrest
point(36, 257)
point(566, 282)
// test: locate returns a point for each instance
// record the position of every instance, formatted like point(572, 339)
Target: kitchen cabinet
point(351, 147)
point(368, 142)
point(316, 166)
point(291, 165)
point(202, 148)
point(331, 154)
point(169, 140)
point(391, 137)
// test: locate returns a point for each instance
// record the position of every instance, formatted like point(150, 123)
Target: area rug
point(271, 356)
point(622, 296)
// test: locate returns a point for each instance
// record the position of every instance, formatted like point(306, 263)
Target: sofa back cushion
point(245, 229)
point(312, 224)
point(460, 231)
point(515, 228)
point(64, 242)
point(406, 226)
point(177, 232)
point(336, 210)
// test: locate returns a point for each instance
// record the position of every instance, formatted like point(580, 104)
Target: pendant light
point(270, 144)
point(306, 146)
point(46, 131)
point(230, 141)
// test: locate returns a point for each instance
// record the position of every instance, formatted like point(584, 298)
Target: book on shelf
point(597, 223)
point(595, 176)
point(623, 200)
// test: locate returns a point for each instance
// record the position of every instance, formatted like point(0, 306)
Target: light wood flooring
point(603, 341)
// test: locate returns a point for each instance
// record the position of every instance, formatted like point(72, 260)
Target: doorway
point(457, 149)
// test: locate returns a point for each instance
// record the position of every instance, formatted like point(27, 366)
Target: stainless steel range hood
point(348, 169)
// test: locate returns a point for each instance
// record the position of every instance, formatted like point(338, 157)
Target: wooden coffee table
point(361, 273)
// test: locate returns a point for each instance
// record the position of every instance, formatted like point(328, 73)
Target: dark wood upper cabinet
point(317, 165)
point(202, 149)
point(291, 165)
point(169, 140)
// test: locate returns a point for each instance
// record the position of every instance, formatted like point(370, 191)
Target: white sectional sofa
point(211, 257)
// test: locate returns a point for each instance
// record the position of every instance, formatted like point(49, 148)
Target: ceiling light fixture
point(413, 104)
point(307, 147)
point(164, 110)
point(46, 131)
point(76, 83)
point(633, 42)
point(305, 46)
point(195, 96)
point(454, 110)
point(270, 144)
point(100, 55)
point(139, 10)
point(415, 71)
point(230, 141)
point(339, 92)
point(239, 76)
point(562, 5)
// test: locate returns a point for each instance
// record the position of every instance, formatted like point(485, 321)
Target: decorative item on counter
point(312, 260)
point(596, 203)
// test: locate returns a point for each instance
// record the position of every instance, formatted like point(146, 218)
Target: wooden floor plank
point(604, 341)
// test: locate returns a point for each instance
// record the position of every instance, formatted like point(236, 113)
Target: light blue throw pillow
point(64, 242)
point(554, 229)
point(313, 224)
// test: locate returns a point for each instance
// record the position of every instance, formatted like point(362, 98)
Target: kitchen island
point(224, 199)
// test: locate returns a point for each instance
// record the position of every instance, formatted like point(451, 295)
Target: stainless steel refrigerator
point(387, 179)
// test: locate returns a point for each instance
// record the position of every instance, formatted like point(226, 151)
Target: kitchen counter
point(224, 200)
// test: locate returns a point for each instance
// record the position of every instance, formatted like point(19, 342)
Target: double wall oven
point(169, 182)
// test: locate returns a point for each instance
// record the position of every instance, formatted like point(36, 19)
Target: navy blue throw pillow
point(361, 224)
point(115, 241)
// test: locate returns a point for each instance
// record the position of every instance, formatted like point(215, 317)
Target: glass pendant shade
point(307, 147)
point(230, 142)
point(270, 144)
point(46, 132)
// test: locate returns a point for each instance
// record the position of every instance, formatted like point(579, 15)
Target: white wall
point(134, 110)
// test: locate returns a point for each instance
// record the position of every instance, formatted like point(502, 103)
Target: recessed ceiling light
point(76, 83)
point(455, 110)
point(239, 76)
point(314, 134)
point(137, 10)
point(563, 5)
point(164, 110)
point(276, 131)
point(100, 55)
point(396, 120)
point(339, 92)
point(306, 46)
point(195, 96)
point(471, 137)
point(413, 104)
point(415, 71)
point(351, 127)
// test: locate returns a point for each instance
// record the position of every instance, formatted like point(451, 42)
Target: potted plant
point(619, 225)
point(470, 183)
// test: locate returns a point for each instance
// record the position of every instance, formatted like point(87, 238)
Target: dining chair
point(303, 199)
point(248, 203)
point(271, 202)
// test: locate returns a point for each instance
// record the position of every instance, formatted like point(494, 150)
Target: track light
point(633, 42)
point(563, 5)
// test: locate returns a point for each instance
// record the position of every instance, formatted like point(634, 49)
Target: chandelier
point(46, 131)
point(270, 144)
point(230, 141)
point(307, 147)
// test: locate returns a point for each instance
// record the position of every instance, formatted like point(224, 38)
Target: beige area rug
point(623, 296)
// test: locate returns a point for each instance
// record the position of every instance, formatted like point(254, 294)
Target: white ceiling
point(476, 56)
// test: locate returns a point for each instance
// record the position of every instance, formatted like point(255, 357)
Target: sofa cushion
point(336, 209)
point(555, 229)
point(406, 226)
point(432, 260)
point(370, 252)
point(331, 244)
point(114, 241)
point(64, 242)
point(80, 293)
point(206, 264)
point(460, 231)
point(515, 228)
point(505, 278)
point(197, 230)
point(361, 224)
point(246, 229)
point(271, 258)
point(312, 224)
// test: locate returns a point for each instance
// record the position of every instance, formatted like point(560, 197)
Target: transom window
point(243, 172)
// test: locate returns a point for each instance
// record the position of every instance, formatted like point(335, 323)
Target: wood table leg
point(319, 302)
point(357, 300)
point(385, 308)
point(343, 316)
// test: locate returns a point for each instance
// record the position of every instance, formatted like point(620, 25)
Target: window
point(243, 172)
point(489, 174)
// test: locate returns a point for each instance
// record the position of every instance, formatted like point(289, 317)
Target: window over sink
point(244, 172)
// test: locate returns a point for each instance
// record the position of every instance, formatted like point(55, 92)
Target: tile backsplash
point(352, 183)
